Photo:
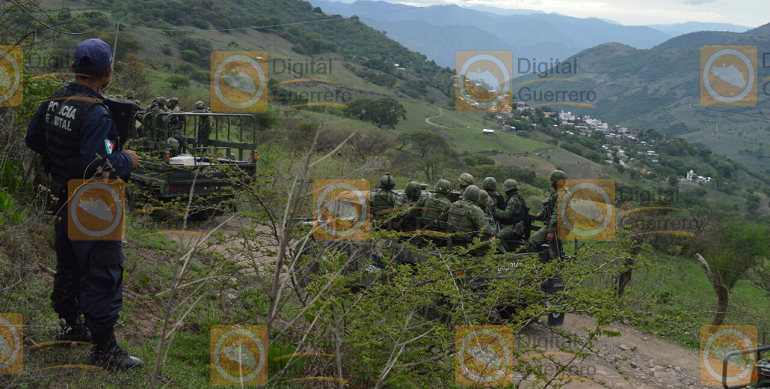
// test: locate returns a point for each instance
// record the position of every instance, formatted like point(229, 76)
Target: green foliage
point(381, 112)
point(178, 81)
point(478, 159)
point(739, 246)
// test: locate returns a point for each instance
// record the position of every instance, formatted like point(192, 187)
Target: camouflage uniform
point(174, 123)
point(512, 208)
point(483, 203)
point(465, 180)
point(466, 216)
point(551, 216)
point(204, 124)
point(383, 198)
point(430, 208)
point(158, 119)
point(490, 186)
point(412, 194)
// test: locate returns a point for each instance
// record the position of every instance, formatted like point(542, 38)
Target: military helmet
point(510, 184)
point(489, 183)
point(162, 100)
point(173, 100)
point(199, 104)
point(466, 179)
point(130, 94)
point(111, 97)
point(413, 189)
point(443, 187)
point(119, 97)
point(557, 175)
point(387, 182)
point(483, 196)
point(471, 194)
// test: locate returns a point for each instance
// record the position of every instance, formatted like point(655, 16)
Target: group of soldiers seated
point(471, 212)
point(158, 125)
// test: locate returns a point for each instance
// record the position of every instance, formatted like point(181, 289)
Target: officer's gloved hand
point(132, 155)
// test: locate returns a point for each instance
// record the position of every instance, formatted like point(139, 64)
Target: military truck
point(760, 375)
point(175, 160)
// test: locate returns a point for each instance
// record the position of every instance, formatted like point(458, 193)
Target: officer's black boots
point(108, 355)
point(73, 331)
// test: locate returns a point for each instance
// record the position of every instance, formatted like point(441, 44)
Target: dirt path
point(440, 113)
point(648, 362)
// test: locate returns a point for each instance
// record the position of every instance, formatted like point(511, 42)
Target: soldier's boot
point(109, 356)
point(72, 331)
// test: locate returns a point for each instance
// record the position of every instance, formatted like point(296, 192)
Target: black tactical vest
point(64, 115)
point(521, 216)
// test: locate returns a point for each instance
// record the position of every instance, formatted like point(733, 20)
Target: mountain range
point(441, 30)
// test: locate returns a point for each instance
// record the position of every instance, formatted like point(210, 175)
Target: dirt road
point(648, 361)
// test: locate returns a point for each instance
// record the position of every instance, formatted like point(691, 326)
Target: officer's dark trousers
point(88, 280)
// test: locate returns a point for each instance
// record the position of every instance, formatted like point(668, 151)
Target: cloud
point(698, 2)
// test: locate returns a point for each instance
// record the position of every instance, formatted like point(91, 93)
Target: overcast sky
point(752, 13)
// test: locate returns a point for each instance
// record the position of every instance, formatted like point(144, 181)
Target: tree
point(434, 154)
point(732, 249)
point(178, 81)
point(381, 112)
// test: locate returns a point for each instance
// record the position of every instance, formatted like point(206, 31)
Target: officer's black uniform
point(74, 132)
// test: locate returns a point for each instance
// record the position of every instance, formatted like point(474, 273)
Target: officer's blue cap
point(92, 57)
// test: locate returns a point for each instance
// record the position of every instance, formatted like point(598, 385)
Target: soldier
point(412, 194)
point(490, 186)
point(131, 95)
point(174, 124)
point(513, 215)
point(204, 124)
point(550, 214)
point(431, 208)
point(465, 179)
point(384, 198)
point(158, 119)
point(483, 203)
point(466, 216)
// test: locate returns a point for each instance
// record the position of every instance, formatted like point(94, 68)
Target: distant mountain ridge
point(539, 35)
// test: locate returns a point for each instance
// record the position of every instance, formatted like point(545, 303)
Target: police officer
point(550, 215)
point(74, 132)
point(384, 198)
point(513, 215)
point(490, 186)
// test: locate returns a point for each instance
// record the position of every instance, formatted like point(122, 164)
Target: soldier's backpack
point(436, 208)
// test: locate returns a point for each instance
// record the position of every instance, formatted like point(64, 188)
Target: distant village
point(585, 125)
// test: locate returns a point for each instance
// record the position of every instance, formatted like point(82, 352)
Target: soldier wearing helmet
point(384, 198)
point(203, 124)
point(433, 207)
point(464, 180)
point(550, 214)
point(466, 216)
point(496, 199)
point(513, 214)
point(174, 125)
point(158, 115)
point(412, 194)
point(483, 203)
